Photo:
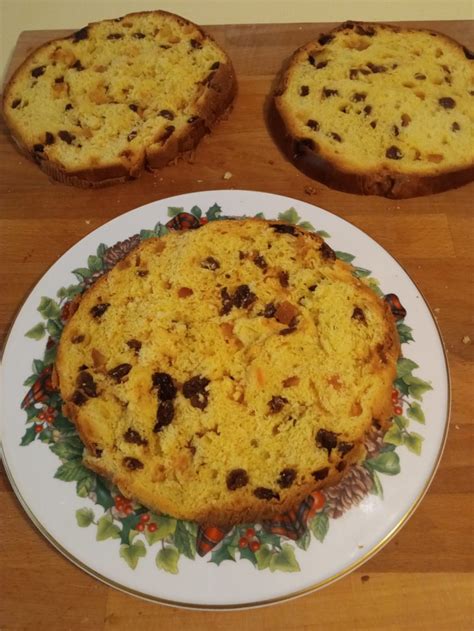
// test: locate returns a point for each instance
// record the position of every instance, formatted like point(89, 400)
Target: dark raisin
point(120, 372)
point(243, 298)
point(420, 77)
point(288, 331)
point(167, 114)
point(210, 263)
point(283, 228)
point(277, 403)
point(344, 448)
point(59, 80)
point(341, 466)
point(394, 153)
point(260, 262)
point(77, 339)
point(326, 440)
point(447, 102)
point(325, 38)
point(395, 130)
point(132, 464)
point(373, 124)
point(236, 479)
point(312, 287)
point(358, 96)
point(469, 54)
point(364, 71)
point(164, 415)
point(66, 136)
point(312, 124)
point(97, 452)
point(132, 135)
point(265, 494)
point(167, 133)
point(138, 35)
point(353, 72)
point(38, 148)
point(284, 278)
point(195, 385)
point(86, 383)
point(375, 68)
point(77, 65)
point(193, 119)
point(195, 43)
point(367, 109)
point(165, 385)
point(358, 315)
point(286, 479)
point(320, 474)
point(327, 92)
point(304, 90)
point(68, 107)
point(15, 103)
point(135, 345)
point(368, 31)
point(215, 65)
point(48, 138)
point(269, 310)
point(336, 137)
point(132, 436)
point(115, 36)
point(455, 127)
point(142, 273)
point(83, 33)
point(37, 72)
point(327, 252)
point(199, 401)
point(99, 309)
point(227, 303)
point(321, 64)
point(133, 107)
point(312, 60)
point(78, 398)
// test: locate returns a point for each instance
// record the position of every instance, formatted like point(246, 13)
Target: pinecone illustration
point(351, 490)
point(374, 440)
point(117, 252)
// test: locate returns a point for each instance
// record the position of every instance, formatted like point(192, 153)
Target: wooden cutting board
point(423, 578)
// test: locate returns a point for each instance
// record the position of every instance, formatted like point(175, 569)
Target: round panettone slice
point(223, 374)
point(118, 95)
point(378, 109)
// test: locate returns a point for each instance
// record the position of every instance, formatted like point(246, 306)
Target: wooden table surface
point(423, 578)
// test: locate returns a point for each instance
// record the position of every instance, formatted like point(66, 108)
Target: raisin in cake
point(118, 95)
point(223, 374)
point(377, 109)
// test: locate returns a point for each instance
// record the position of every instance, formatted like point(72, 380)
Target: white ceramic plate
point(52, 503)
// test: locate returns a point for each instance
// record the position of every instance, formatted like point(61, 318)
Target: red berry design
point(243, 543)
point(38, 428)
point(398, 410)
point(152, 527)
point(140, 527)
point(203, 220)
point(250, 533)
point(144, 518)
point(394, 396)
point(128, 510)
point(42, 416)
point(254, 546)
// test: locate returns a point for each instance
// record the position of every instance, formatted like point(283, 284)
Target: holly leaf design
point(404, 333)
point(185, 540)
point(71, 470)
point(289, 216)
point(401, 386)
point(413, 442)
point(69, 448)
point(196, 211)
point(263, 556)
point(319, 526)
point(387, 462)
point(174, 210)
point(222, 553)
point(213, 212)
point(28, 436)
point(345, 256)
point(48, 308)
point(405, 367)
point(63, 424)
point(323, 234)
point(161, 230)
point(84, 517)
point(268, 537)
point(104, 496)
point(38, 366)
point(284, 561)
point(304, 541)
point(165, 526)
point(246, 553)
point(37, 332)
point(146, 234)
point(129, 524)
point(132, 553)
point(416, 413)
point(50, 355)
point(106, 529)
point(167, 559)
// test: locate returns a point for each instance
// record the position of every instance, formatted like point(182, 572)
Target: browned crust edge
point(383, 182)
point(221, 90)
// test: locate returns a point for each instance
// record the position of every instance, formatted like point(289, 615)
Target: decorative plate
point(172, 561)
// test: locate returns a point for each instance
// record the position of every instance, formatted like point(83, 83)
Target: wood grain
point(423, 578)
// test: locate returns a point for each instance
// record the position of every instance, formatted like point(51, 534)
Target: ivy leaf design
point(185, 540)
point(81, 273)
point(401, 386)
point(38, 366)
point(54, 328)
point(268, 537)
point(69, 292)
point(167, 559)
point(84, 517)
point(63, 424)
point(28, 436)
point(37, 332)
point(284, 561)
point(344, 256)
point(85, 485)
point(416, 413)
point(417, 387)
point(387, 462)
point(146, 234)
point(413, 442)
point(289, 216)
point(377, 489)
point(306, 225)
point(323, 234)
point(30, 381)
point(304, 541)
point(94, 263)
point(69, 448)
point(106, 529)
point(404, 332)
point(394, 435)
point(401, 422)
point(71, 470)
point(101, 250)
point(263, 556)
point(132, 553)
point(213, 213)
point(222, 553)
point(319, 526)
point(165, 526)
point(361, 272)
point(104, 496)
point(161, 230)
point(174, 210)
point(405, 367)
point(196, 211)
point(48, 308)
point(50, 355)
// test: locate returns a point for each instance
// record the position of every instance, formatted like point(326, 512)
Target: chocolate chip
point(68, 107)
point(236, 479)
point(367, 109)
point(243, 298)
point(132, 464)
point(368, 31)
point(77, 65)
point(277, 403)
point(375, 68)
point(193, 119)
point(86, 383)
point(358, 315)
point(120, 372)
point(166, 114)
point(353, 72)
point(304, 90)
point(326, 440)
point(142, 273)
point(455, 127)
point(195, 43)
point(321, 64)
point(77, 339)
point(469, 54)
point(286, 479)
point(284, 278)
point(138, 35)
point(115, 36)
point(132, 135)
point(395, 130)
point(336, 137)
point(15, 103)
point(78, 398)
point(265, 494)
point(38, 148)
point(164, 415)
point(135, 345)
point(420, 77)
point(312, 287)
point(132, 436)
point(312, 124)
point(325, 38)
point(260, 262)
point(320, 474)
point(66, 136)
point(81, 34)
point(227, 303)
point(394, 153)
point(48, 138)
point(269, 310)
point(167, 133)
point(358, 96)
point(165, 385)
point(38, 71)
point(133, 107)
point(327, 92)
point(99, 309)
point(195, 385)
point(210, 263)
point(344, 448)
point(283, 228)
point(215, 65)
point(373, 124)
point(327, 252)
point(447, 102)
